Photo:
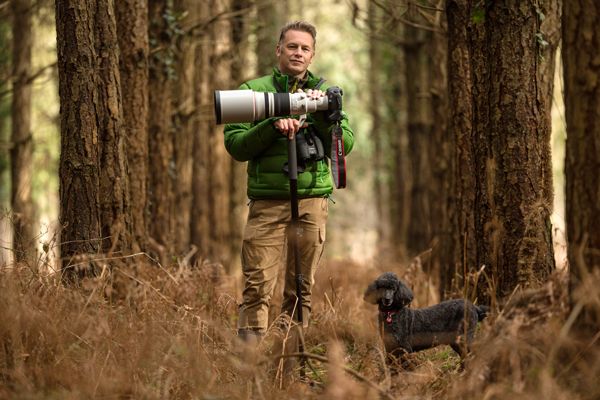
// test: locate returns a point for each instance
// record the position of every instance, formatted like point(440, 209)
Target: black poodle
point(405, 330)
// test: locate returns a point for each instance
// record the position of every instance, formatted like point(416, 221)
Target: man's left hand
point(313, 94)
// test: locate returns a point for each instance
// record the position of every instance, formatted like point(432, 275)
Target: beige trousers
point(263, 249)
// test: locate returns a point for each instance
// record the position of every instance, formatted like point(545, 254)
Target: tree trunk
point(512, 138)
point(161, 197)
point(397, 129)
point(460, 130)
point(381, 175)
point(440, 148)
point(419, 138)
point(220, 161)
point(132, 28)
point(201, 229)
point(212, 230)
point(581, 33)
point(271, 17)
point(237, 179)
point(21, 153)
point(94, 191)
point(417, 41)
point(6, 228)
point(183, 121)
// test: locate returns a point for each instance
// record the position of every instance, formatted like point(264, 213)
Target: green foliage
point(541, 41)
point(478, 13)
point(540, 14)
point(539, 37)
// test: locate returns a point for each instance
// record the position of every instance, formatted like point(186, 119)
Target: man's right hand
point(288, 126)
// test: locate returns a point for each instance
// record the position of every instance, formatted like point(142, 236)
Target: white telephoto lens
point(263, 105)
point(302, 104)
point(234, 106)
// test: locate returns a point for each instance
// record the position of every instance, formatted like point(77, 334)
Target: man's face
point(295, 53)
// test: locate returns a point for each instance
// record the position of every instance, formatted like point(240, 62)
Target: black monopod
point(294, 234)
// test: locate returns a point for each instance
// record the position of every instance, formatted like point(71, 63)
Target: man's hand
point(314, 94)
point(290, 126)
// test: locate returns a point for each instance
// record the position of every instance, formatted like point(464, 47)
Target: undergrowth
point(139, 330)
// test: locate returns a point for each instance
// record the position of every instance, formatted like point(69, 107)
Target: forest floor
point(145, 331)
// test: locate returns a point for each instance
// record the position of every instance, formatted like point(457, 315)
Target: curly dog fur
point(405, 330)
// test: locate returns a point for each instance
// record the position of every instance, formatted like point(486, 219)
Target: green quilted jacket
point(266, 149)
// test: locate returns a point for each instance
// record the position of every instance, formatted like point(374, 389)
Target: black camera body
point(334, 103)
point(309, 146)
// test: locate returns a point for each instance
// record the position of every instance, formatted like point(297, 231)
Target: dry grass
point(143, 331)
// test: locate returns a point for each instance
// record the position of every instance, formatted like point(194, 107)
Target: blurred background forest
point(357, 51)
point(342, 58)
point(113, 172)
point(187, 195)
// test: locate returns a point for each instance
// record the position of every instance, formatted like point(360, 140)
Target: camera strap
point(338, 156)
point(338, 153)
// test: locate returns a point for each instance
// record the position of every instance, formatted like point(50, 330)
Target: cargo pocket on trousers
point(322, 234)
point(256, 237)
point(251, 235)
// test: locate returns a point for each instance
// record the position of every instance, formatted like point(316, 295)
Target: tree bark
point(6, 228)
point(381, 175)
point(183, 120)
point(212, 230)
point(512, 138)
point(161, 159)
point(460, 130)
point(418, 93)
point(132, 28)
point(419, 139)
point(581, 34)
point(220, 161)
point(21, 153)
point(94, 191)
point(200, 211)
point(201, 229)
point(397, 129)
point(500, 98)
point(271, 17)
point(237, 180)
point(440, 148)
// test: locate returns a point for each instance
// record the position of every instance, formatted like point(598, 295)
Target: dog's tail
point(482, 312)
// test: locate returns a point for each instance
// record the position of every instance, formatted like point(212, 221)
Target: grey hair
point(302, 26)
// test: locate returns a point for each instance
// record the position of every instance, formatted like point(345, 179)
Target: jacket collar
point(285, 81)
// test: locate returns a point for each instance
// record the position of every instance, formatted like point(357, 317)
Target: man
point(264, 145)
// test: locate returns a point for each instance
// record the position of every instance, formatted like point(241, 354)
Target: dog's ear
point(404, 295)
point(371, 294)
